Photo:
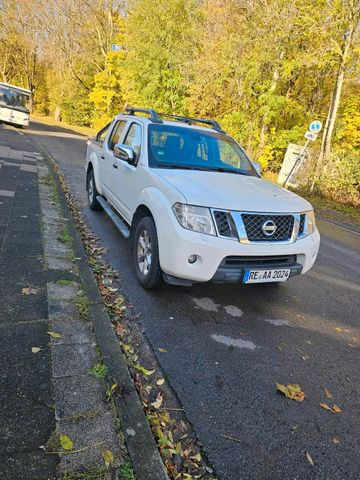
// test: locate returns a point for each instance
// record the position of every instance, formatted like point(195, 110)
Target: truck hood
point(233, 192)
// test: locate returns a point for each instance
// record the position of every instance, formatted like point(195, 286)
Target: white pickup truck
point(193, 205)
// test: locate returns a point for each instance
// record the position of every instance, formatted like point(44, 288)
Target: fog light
point(192, 258)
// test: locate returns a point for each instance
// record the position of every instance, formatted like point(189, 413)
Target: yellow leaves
point(54, 334)
point(35, 349)
point(29, 291)
point(108, 457)
point(159, 400)
point(162, 350)
point(66, 442)
point(143, 370)
point(160, 382)
point(292, 391)
point(334, 409)
point(309, 458)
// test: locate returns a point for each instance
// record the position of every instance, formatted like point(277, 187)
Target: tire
point(146, 254)
point(92, 192)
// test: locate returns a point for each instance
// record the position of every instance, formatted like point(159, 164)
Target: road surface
point(228, 345)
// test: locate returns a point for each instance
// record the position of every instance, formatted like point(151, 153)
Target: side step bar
point(120, 225)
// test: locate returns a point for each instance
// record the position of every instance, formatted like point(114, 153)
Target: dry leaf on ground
point(159, 400)
point(162, 350)
point(292, 391)
point(29, 291)
point(108, 457)
point(35, 349)
point(336, 409)
point(310, 460)
point(160, 382)
point(328, 393)
point(143, 370)
point(54, 334)
point(336, 440)
point(325, 406)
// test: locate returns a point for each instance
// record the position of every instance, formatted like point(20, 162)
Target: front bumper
point(176, 245)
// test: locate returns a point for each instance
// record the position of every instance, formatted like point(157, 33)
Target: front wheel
point(92, 192)
point(146, 254)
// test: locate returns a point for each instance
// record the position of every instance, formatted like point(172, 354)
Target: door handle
point(102, 157)
point(115, 166)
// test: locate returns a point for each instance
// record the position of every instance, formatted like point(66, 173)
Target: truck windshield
point(192, 149)
point(13, 97)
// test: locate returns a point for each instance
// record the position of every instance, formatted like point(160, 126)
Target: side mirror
point(124, 152)
point(257, 167)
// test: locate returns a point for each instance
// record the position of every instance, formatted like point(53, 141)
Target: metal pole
point(296, 162)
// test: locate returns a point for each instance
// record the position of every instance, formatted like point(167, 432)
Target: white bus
point(14, 104)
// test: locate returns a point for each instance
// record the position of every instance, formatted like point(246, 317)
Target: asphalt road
point(305, 331)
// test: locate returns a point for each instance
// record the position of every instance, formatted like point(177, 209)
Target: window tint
point(133, 138)
point(116, 134)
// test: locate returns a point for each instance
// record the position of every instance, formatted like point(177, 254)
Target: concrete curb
point(145, 456)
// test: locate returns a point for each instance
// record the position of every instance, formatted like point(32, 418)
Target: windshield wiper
point(226, 170)
point(182, 167)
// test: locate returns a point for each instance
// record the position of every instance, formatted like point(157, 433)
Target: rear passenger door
point(108, 161)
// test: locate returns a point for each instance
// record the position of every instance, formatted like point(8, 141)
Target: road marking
point(234, 342)
point(277, 322)
point(206, 304)
point(233, 311)
point(6, 193)
point(338, 226)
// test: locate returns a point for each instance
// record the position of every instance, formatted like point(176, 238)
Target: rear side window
point(116, 134)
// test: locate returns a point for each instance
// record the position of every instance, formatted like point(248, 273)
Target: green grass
point(98, 371)
point(65, 283)
point(83, 304)
point(126, 472)
point(98, 473)
point(65, 236)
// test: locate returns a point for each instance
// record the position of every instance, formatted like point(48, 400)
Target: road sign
point(315, 127)
point(310, 136)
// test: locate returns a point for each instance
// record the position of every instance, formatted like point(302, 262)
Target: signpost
point(311, 135)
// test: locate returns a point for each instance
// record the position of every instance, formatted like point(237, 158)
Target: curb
point(144, 454)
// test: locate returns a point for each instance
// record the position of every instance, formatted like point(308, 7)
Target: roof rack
point(153, 115)
point(191, 120)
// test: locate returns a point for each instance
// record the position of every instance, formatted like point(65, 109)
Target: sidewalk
point(53, 381)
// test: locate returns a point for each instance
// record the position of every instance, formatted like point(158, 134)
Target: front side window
point(100, 137)
point(133, 138)
point(116, 134)
point(187, 148)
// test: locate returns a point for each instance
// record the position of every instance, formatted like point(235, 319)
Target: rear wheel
point(92, 192)
point(146, 254)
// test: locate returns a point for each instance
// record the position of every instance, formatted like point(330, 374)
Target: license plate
point(262, 276)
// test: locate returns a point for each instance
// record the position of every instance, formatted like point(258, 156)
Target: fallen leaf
point(66, 442)
point(327, 392)
point(54, 334)
point(196, 457)
point(325, 406)
point(292, 391)
point(119, 328)
point(160, 382)
point(295, 427)
point(305, 357)
point(35, 349)
point(162, 350)
point(127, 348)
point(310, 460)
point(143, 370)
point(158, 402)
point(29, 291)
point(336, 409)
point(352, 345)
point(114, 387)
point(336, 440)
point(108, 457)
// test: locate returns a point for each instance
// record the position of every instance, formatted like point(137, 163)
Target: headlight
point(194, 218)
point(310, 225)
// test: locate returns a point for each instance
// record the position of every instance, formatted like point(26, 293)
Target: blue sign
point(315, 126)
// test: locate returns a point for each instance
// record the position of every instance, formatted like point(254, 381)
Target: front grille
point(243, 261)
point(223, 224)
point(302, 224)
point(254, 223)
